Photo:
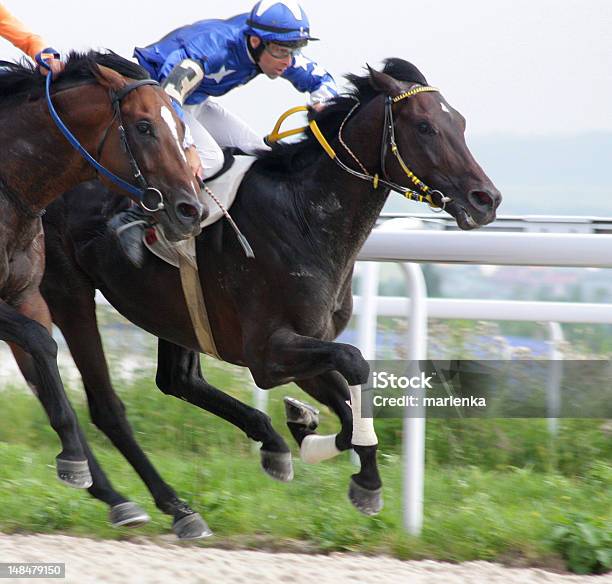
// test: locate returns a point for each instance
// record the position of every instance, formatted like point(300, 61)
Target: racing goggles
point(283, 51)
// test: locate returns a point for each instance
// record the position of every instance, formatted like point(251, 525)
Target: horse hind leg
point(179, 374)
point(76, 317)
point(36, 354)
point(123, 512)
point(302, 418)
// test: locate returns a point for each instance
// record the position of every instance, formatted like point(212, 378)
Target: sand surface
point(90, 561)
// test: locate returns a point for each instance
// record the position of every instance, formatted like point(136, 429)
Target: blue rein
point(137, 192)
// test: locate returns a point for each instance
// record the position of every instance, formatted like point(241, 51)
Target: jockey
point(198, 62)
point(31, 44)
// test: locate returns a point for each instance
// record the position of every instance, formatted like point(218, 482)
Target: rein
point(434, 198)
point(141, 192)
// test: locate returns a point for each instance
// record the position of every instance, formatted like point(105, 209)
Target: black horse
point(306, 218)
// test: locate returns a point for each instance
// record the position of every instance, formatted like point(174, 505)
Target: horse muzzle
point(183, 218)
point(478, 208)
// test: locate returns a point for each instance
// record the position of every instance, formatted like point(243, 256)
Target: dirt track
point(89, 561)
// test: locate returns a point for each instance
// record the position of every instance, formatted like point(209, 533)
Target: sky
point(521, 67)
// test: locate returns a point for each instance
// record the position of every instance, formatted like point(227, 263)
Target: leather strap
point(192, 290)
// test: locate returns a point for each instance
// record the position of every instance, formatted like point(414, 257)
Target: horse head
point(153, 137)
point(431, 154)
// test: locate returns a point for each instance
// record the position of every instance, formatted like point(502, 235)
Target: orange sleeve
point(15, 31)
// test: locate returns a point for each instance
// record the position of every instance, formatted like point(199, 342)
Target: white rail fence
point(388, 243)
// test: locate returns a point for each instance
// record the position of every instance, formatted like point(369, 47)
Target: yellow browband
point(275, 136)
point(413, 91)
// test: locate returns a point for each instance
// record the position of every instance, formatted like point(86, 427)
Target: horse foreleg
point(27, 330)
point(179, 374)
point(310, 362)
point(331, 390)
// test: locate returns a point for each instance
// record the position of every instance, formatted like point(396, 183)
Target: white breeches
point(213, 128)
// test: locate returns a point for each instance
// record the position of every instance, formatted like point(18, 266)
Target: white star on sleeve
point(322, 94)
point(220, 74)
point(299, 61)
point(319, 71)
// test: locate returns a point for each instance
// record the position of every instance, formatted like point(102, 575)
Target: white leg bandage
point(317, 448)
point(363, 428)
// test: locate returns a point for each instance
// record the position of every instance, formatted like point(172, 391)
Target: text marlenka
point(448, 401)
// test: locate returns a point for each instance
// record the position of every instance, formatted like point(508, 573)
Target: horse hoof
point(367, 501)
point(298, 412)
point(191, 526)
point(127, 514)
point(74, 473)
point(278, 465)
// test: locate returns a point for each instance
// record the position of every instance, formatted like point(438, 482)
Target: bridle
point(143, 192)
point(433, 197)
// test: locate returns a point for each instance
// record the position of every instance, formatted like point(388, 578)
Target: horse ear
point(108, 78)
point(383, 82)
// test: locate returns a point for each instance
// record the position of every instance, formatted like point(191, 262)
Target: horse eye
point(425, 128)
point(144, 127)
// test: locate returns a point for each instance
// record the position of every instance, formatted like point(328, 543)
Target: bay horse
point(306, 216)
point(98, 104)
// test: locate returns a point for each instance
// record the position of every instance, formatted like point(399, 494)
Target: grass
point(469, 513)
point(495, 489)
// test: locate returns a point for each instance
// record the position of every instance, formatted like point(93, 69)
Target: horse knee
point(171, 382)
point(351, 364)
point(261, 374)
point(344, 439)
point(37, 340)
point(164, 382)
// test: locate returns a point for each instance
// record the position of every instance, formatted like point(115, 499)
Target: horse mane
point(290, 158)
point(22, 81)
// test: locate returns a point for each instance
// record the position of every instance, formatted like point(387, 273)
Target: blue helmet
point(281, 21)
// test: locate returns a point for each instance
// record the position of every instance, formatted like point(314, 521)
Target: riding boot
point(128, 226)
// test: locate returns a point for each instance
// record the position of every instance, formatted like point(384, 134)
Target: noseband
point(143, 192)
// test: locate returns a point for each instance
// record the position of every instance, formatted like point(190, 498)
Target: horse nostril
point(481, 199)
point(188, 211)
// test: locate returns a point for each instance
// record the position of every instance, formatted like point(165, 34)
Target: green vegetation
point(495, 489)
point(585, 544)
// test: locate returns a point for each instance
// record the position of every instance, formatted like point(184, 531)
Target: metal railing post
point(413, 436)
point(553, 383)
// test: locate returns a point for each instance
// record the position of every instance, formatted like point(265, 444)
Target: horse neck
point(38, 163)
point(352, 204)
